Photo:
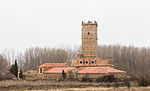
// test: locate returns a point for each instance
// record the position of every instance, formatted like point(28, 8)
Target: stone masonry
point(89, 39)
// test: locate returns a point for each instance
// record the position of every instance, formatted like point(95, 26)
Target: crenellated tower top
point(89, 39)
point(89, 23)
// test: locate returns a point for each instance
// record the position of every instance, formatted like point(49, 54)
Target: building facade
point(88, 56)
point(86, 63)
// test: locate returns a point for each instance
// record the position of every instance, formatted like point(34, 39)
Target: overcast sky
point(53, 23)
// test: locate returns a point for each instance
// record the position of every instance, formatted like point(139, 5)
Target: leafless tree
point(3, 64)
point(134, 60)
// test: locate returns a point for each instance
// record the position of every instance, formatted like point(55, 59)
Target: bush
point(144, 82)
point(14, 69)
point(21, 74)
point(7, 76)
point(63, 74)
point(106, 78)
point(86, 79)
point(70, 76)
point(127, 83)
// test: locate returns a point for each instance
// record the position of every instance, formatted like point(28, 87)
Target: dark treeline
point(134, 60)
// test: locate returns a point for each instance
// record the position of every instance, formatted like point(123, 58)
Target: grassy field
point(63, 86)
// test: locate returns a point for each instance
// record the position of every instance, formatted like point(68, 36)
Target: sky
point(57, 23)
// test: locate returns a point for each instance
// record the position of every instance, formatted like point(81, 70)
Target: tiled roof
point(53, 65)
point(59, 69)
point(98, 70)
point(90, 70)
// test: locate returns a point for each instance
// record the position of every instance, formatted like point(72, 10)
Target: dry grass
point(41, 82)
point(104, 89)
point(62, 86)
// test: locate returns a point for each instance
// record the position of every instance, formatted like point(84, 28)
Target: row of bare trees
point(33, 57)
point(134, 60)
point(3, 65)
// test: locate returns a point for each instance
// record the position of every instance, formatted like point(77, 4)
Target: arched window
point(88, 33)
point(81, 62)
point(41, 70)
point(86, 61)
point(92, 61)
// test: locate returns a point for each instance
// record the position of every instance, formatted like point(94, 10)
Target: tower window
point(40, 70)
point(87, 62)
point(93, 62)
point(81, 62)
point(88, 33)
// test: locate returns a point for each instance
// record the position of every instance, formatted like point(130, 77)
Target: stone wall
point(74, 75)
point(50, 76)
point(96, 62)
point(89, 39)
point(119, 75)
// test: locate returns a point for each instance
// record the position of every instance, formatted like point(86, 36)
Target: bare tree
point(134, 60)
point(3, 64)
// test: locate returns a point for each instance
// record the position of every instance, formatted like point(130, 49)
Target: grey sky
point(26, 23)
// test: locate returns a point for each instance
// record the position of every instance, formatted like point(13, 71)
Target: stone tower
point(88, 56)
point(89, 39)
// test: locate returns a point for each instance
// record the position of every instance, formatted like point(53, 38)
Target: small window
point(93, 62)
point(87, 62)
point(81, 62)
point(40, 70)
point(88, 33)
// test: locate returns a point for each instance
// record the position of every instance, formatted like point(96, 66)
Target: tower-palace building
point(89, 54)
point(86, 63)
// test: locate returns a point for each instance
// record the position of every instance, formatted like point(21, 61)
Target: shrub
point(106, 78)
point(144, 82)
point(63, 74)
point(21, 74)
point(70, 75)
point(127, 83)
point(14, 69)
point(86, 79)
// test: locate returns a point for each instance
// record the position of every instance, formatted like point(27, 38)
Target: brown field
point(104, 89)
point(63, 86)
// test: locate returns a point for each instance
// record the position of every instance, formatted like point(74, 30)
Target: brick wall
point(89, 39)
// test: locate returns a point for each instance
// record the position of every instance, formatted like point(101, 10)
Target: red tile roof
point(98, 70)
point(53, 65)
point(90, 70)
point(59, 69)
